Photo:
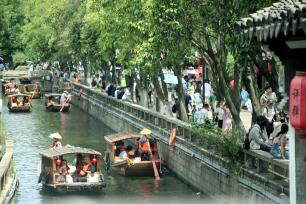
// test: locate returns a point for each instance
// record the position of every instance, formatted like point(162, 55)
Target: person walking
point(227, 119)
point(244, 97)
point(207, 92)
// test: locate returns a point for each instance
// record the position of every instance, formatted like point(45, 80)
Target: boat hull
point(57, 108)
point(16, 109)
point(140, 169)
point(75, 187)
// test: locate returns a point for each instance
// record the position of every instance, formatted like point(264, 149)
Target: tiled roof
point(268, 23)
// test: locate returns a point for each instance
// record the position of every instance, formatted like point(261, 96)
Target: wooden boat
point(9, 88)
point(52, 161)
point(133, 166)
point(33, 90)
point(19, 103)
point(52, 103)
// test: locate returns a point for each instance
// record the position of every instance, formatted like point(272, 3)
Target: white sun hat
point(55, 136)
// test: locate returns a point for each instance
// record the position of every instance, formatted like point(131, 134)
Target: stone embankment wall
point(196, 166)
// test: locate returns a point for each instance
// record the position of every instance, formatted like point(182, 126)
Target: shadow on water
point(30, 132)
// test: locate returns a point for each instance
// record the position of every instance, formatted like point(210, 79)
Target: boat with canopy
point(135, 163)
point(63, 169)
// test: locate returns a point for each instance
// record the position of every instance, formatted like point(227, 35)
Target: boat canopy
point(52, 94)
point(121, 136)
point(54, 152)
point(17, 95)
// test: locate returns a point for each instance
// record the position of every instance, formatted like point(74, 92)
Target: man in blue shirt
point(244, 96)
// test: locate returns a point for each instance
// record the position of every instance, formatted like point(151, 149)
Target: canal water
point(30, 132)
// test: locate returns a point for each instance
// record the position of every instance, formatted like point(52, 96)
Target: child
point(219, 114)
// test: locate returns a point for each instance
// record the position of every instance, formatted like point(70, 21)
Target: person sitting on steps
point(258, 135)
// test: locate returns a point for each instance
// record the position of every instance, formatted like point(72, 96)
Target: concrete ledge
point(8, 180)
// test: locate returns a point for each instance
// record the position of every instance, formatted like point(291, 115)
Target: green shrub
point(228, 145)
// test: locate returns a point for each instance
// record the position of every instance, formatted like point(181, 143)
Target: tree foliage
point(142, 36)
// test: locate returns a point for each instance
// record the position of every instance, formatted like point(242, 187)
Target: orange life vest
point(84, 169)
point(146, 146)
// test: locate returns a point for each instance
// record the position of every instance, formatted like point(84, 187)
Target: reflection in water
point(30, 132)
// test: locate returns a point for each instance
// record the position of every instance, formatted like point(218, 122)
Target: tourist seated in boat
point(123, 153)
point(36, 88)
point(27, 88)
point(15, 101)
point(83, 169)
point(16, 89)
point(26, 100)
point(118, 146)
point(63, 171)
point(50, 100)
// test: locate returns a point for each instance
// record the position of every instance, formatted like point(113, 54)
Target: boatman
point(144, 145)
point(57, 143)
point(64, 98)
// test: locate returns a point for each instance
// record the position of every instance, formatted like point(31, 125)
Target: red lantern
point(58, 162)
point(94, 160)
point(297, 99)
point(270, 68)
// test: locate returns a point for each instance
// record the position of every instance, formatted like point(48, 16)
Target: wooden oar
point(156, 174)
point(64, 104)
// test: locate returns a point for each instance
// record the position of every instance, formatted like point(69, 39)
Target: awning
point(54, 152)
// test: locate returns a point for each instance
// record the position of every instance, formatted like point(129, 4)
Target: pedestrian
point(268, 97)
point(188, 100)
point(269, 112)
point(186, 83)
point(244, 97)
point(227, 119)
point(219, 113)
point(258, 135)
point(150, 92)
point(201, 114)
point(207, 91)
point(197, 99)
point(127, 94)
point(212, 101)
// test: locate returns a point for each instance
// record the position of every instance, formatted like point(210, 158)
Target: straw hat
point(146, 131)
point(55, 136)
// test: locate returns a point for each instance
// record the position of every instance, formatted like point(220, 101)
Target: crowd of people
point(270, 133)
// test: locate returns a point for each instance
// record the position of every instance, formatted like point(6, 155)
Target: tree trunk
point(254, 95)
point(181, 96)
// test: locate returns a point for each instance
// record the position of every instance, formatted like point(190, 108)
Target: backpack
point(174, 108)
